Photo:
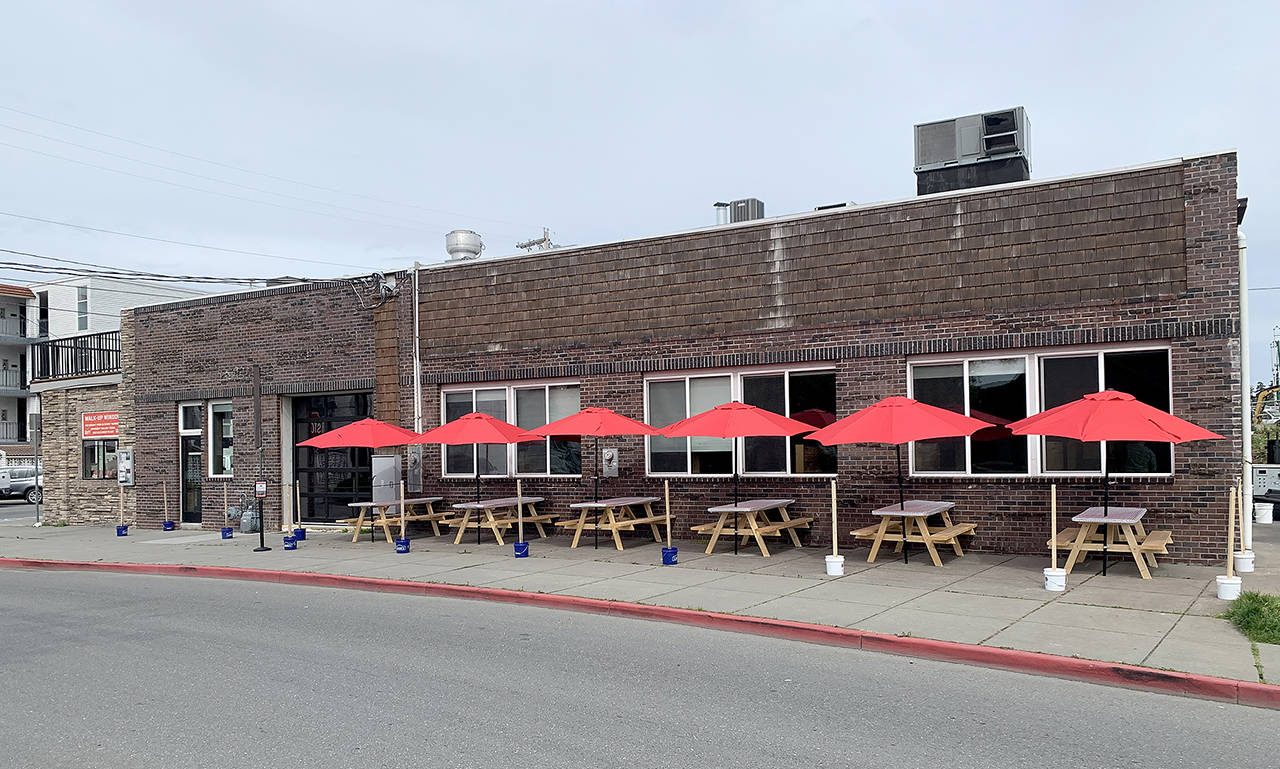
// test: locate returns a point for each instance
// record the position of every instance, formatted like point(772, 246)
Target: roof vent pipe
point(463, 244)
point(722, 213)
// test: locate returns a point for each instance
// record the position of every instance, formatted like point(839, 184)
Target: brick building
point(999, 301)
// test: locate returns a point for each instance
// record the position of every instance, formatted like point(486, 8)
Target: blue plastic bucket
point(122, 531)
point(227, 531)
point(402, 545)
point(522, 549)
point(168, 525)
point(290, 543)
point(669, 556)
point(300, 534)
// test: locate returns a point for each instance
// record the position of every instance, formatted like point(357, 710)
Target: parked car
point(24, 482)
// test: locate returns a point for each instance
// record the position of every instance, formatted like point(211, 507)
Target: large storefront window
point(526, 406)
point(99, 460)
point(1004, 389)
point(807, 396)
point(330, 479)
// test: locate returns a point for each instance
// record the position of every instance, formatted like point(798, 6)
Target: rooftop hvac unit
point(746, 209)
point(973, 139)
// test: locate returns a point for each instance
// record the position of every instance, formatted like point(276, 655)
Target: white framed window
point(528, 405)
point(1003, 387)
point(82, 308)
point(190, 418)
point(221, 439)
point(807, 394)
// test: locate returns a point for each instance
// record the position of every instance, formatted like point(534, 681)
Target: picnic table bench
point(751, 520)
point(1126, 522)
point(379, 511)
point(914, 513)
point(613, 515)
point(497, 515)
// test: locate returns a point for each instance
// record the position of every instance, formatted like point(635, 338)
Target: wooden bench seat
point(1064, 538)
point(778, 526)
point(1157, 542)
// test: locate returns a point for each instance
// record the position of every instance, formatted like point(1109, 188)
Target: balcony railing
point(75, 356)
point(12, 379)
point(14, 327)
point(12, 431)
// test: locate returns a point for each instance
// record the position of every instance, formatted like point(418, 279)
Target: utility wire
point(117, 273)
point(213, 192)
point(213, 178)
point(179, 242)
point(243, 170)
point(195, 293)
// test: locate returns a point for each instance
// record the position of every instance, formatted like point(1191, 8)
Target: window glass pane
point(109, 459)
point(91, 465)
point(1145, 376)
point(458, 459)
point(666, 406)
point(710, 455)
point(531, 412)
point(493, 456)
point(1064, 380)
point(998, 394)
point(566, 455)
point(221, 438)
point(813, 401)
point(191, 418)
point(941, 386)
point(765, 455)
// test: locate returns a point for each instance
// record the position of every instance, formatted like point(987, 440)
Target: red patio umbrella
point(365, 434)
point(476, 428)
point(735, 420)
point(596, 422)
point(898, 420)
point(1110, 416)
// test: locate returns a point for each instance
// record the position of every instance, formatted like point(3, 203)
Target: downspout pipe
point(1246, 526)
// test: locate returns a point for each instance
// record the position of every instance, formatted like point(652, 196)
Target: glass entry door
point(329, 479)
point(191, 455)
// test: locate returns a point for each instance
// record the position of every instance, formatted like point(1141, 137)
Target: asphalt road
point(133, 671)
point(16, 509)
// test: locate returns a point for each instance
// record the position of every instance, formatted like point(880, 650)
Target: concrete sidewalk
point(1167, 622)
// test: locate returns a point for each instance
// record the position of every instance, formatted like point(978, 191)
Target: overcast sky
point(374, 128)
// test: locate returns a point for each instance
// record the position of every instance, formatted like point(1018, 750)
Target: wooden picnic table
point(618, 514)
point(751, 520)
point(914, 513)
point(381, 515)
point(1123, 521)
point(497, 515)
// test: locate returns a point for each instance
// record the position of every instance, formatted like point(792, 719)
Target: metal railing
point(13, 379)
point(85, 355)
point(13, 327)
point(12, 431)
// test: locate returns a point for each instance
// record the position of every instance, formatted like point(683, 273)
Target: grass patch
point(1257, 615)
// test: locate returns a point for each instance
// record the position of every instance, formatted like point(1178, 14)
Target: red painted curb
point(1092, 671)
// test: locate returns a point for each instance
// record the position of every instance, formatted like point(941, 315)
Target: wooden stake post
point(1053, 523)
point(835, 537)
point(666, 508)
point(122, 505)
point(297, 504)
point(519, 513)
point(402, 522)
point(1231, 534)
point(164, 492)
point(226, 485)
point(1244, 546)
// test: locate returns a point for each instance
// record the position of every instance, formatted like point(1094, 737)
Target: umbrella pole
point(597, 494)
point(476, 448)
point(1106, 504)
point(902, 504)
point(735, 504)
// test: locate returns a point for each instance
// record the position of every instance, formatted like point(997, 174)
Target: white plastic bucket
point(1262, 512)
point(835, 565)
point(1228, 587)
point(1055, 580)
point(1244, 561)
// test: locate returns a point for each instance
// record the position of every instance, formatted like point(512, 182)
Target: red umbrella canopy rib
point(1111, 416)
point(365, 434)
point(735, 420)
point(897, 420)
point(596, 422)
point(476, 428)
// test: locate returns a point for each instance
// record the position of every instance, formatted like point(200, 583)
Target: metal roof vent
point(463, 244)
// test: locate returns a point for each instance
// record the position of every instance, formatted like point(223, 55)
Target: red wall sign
point(100, 424)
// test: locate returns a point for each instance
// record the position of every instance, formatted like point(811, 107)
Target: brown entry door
point(192, 459)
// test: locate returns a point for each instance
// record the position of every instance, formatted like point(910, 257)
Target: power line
point(116, 273)
point(96, 288)
point(212, 192)
point(211, 178)
point(178, 242)
point(250, 171)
